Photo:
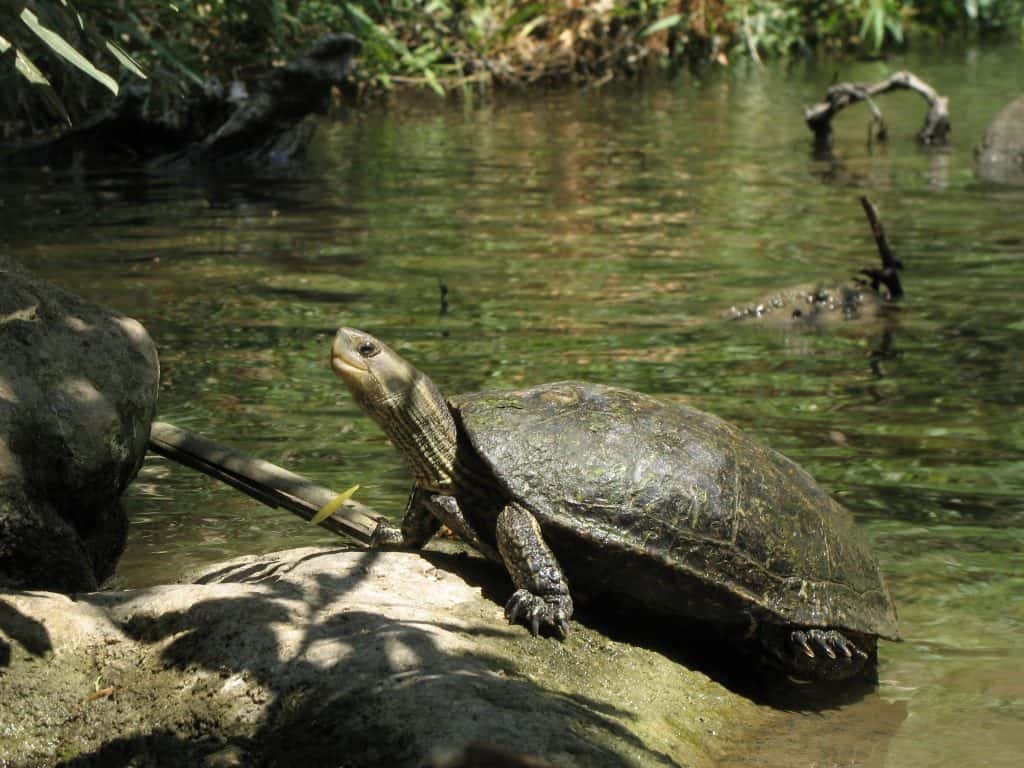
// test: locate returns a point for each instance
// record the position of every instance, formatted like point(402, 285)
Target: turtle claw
point(812, 654)
point(829, 642)
point(800, 639)
point(538, 613)
point(848, 649)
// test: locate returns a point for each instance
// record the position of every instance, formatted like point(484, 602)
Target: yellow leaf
point(333, 505)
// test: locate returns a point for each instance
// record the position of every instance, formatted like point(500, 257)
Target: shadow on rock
point(721, 653)
point(329, 660)
point(717, 652)
point(159, 749)
point(25, 631)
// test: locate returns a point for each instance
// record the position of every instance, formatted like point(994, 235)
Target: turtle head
point(403, 401)
point(376, 375)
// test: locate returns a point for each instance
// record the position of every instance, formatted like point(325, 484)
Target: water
point(597, 235)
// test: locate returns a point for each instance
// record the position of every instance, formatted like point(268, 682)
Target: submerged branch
point(889, 274)
point(841, 95)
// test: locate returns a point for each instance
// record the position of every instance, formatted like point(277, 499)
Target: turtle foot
point(386, 534)
point(832, 644)
point(824, 654)
point(540, 613)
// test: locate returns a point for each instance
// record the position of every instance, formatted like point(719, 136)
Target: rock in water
point(1000, 158)
point(78, 389)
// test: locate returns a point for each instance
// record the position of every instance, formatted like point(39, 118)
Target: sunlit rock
point(323, 656)
point(77, 394)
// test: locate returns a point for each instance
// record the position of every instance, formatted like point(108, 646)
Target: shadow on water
point(329, 709)
point(856, 734)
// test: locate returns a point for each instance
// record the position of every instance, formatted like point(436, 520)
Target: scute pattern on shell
point(677, 508)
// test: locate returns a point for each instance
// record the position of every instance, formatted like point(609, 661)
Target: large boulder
point(78, 389)
point(327, 657)
point(1000, 158)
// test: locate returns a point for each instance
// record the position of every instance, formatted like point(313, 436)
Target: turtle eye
point(368, 349)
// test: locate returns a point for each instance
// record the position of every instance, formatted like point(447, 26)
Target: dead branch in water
point(841, 95)
point(889, 274)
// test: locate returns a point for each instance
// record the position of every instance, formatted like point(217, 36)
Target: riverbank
point(448, 47)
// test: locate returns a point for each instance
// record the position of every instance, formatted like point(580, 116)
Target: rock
point(78, 388)
point(323, 656)
point(1000, 158)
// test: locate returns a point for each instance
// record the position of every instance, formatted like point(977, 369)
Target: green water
point(597, 235)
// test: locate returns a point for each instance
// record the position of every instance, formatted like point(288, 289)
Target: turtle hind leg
point(542, 600)
point(830, 642)
point(810, 653)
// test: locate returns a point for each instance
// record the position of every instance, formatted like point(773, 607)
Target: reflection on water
point(599, 236)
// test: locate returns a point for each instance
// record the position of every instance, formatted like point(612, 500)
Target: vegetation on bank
point(444, 45)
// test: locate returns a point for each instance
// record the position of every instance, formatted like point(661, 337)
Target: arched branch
point(841, 95)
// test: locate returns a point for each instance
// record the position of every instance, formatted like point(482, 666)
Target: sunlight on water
point(599, 236)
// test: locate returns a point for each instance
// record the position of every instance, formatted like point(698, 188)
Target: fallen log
point(268, 483)
point(841, 95)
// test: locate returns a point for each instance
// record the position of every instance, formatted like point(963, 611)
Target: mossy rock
point(320, 656)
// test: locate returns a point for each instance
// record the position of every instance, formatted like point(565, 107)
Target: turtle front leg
point(418, 525)
point(424, 515)
point(448, 511)
point(542, 599)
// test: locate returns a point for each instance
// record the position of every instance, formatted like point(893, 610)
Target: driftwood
point(889, 274)
point(265, 482)
point(841, 95)
point(263, 123)
point(269, 123)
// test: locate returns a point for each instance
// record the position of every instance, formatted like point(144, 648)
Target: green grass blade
point(126, 61)
point(433, 82)
point(65, 50)
point(24, 66)
point(666, 23)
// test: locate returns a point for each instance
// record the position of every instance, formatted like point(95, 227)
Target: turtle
point(866, 296)
point(632, 500)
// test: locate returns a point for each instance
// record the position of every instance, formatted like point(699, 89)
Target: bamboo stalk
point(268, 483)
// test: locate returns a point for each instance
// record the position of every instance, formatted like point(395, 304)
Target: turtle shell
point(676, 508)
